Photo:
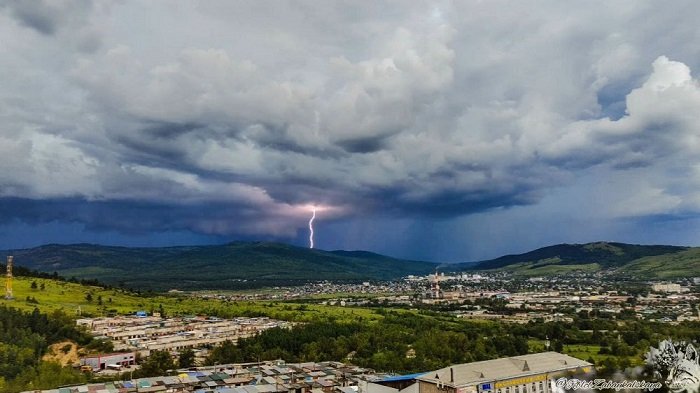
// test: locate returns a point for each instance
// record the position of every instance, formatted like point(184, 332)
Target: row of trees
point(405, 342)
point(161, 362)
point(399, 342)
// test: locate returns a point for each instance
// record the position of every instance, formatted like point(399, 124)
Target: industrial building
point(145, 334)
point(112, 360)
point(534, 373)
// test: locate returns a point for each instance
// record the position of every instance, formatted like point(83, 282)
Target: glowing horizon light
point(311, 227)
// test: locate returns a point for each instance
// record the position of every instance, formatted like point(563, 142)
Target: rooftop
point(503, 368)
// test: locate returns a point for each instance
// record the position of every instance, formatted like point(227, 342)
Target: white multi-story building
point(667, 287)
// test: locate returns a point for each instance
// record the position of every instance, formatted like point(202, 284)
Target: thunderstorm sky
point(446, 131)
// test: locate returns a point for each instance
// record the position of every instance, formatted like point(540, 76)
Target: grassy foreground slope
point(69, 297)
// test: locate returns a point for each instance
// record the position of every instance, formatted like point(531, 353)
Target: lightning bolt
point(311, 228)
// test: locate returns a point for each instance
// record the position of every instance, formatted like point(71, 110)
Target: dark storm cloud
point(237, 118)
point(48, 17)
point(35, 15)
point(363, 145)
point(142, 217)
point(448, 204)
point(151, 150)
point(166, 130)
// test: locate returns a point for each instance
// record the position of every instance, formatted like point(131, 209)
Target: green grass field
point(71, 297)
point(582, 351)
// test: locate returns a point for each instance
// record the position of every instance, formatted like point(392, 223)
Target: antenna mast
point(8, 279)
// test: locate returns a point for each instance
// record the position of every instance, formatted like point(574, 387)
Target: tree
point(42, 286)
point(226, 352)
point(34, 286)
point(558, 346)
point(88, 297)
point(186, 358)
point(157, 364)
point(610, 364)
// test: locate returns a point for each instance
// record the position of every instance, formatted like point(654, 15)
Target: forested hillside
point(230, 266)
point(25, 338)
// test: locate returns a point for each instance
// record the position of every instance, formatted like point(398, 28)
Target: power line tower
point(8, 279)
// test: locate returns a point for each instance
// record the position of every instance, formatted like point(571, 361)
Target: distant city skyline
point(440, 131)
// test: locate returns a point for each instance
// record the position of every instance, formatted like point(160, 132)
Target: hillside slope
point(656, 261)
point(233, 265)
point(680, 264)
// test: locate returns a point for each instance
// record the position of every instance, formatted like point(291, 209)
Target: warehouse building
point(534, 373)
point(112, 360)
point(145, 334)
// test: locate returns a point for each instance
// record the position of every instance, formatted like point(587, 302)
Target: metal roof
point(406, 377)
point(503, 368)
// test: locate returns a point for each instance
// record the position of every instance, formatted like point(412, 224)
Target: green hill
point(240, 265)
point(685, 263)
point(653, 261)
point(229, 266)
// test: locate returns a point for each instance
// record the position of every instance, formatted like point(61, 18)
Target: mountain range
point(239, 265)
point(234, 265)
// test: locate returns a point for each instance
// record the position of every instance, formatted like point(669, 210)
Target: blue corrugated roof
point(402, 377)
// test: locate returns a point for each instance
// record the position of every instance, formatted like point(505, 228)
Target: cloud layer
point(234, 118)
